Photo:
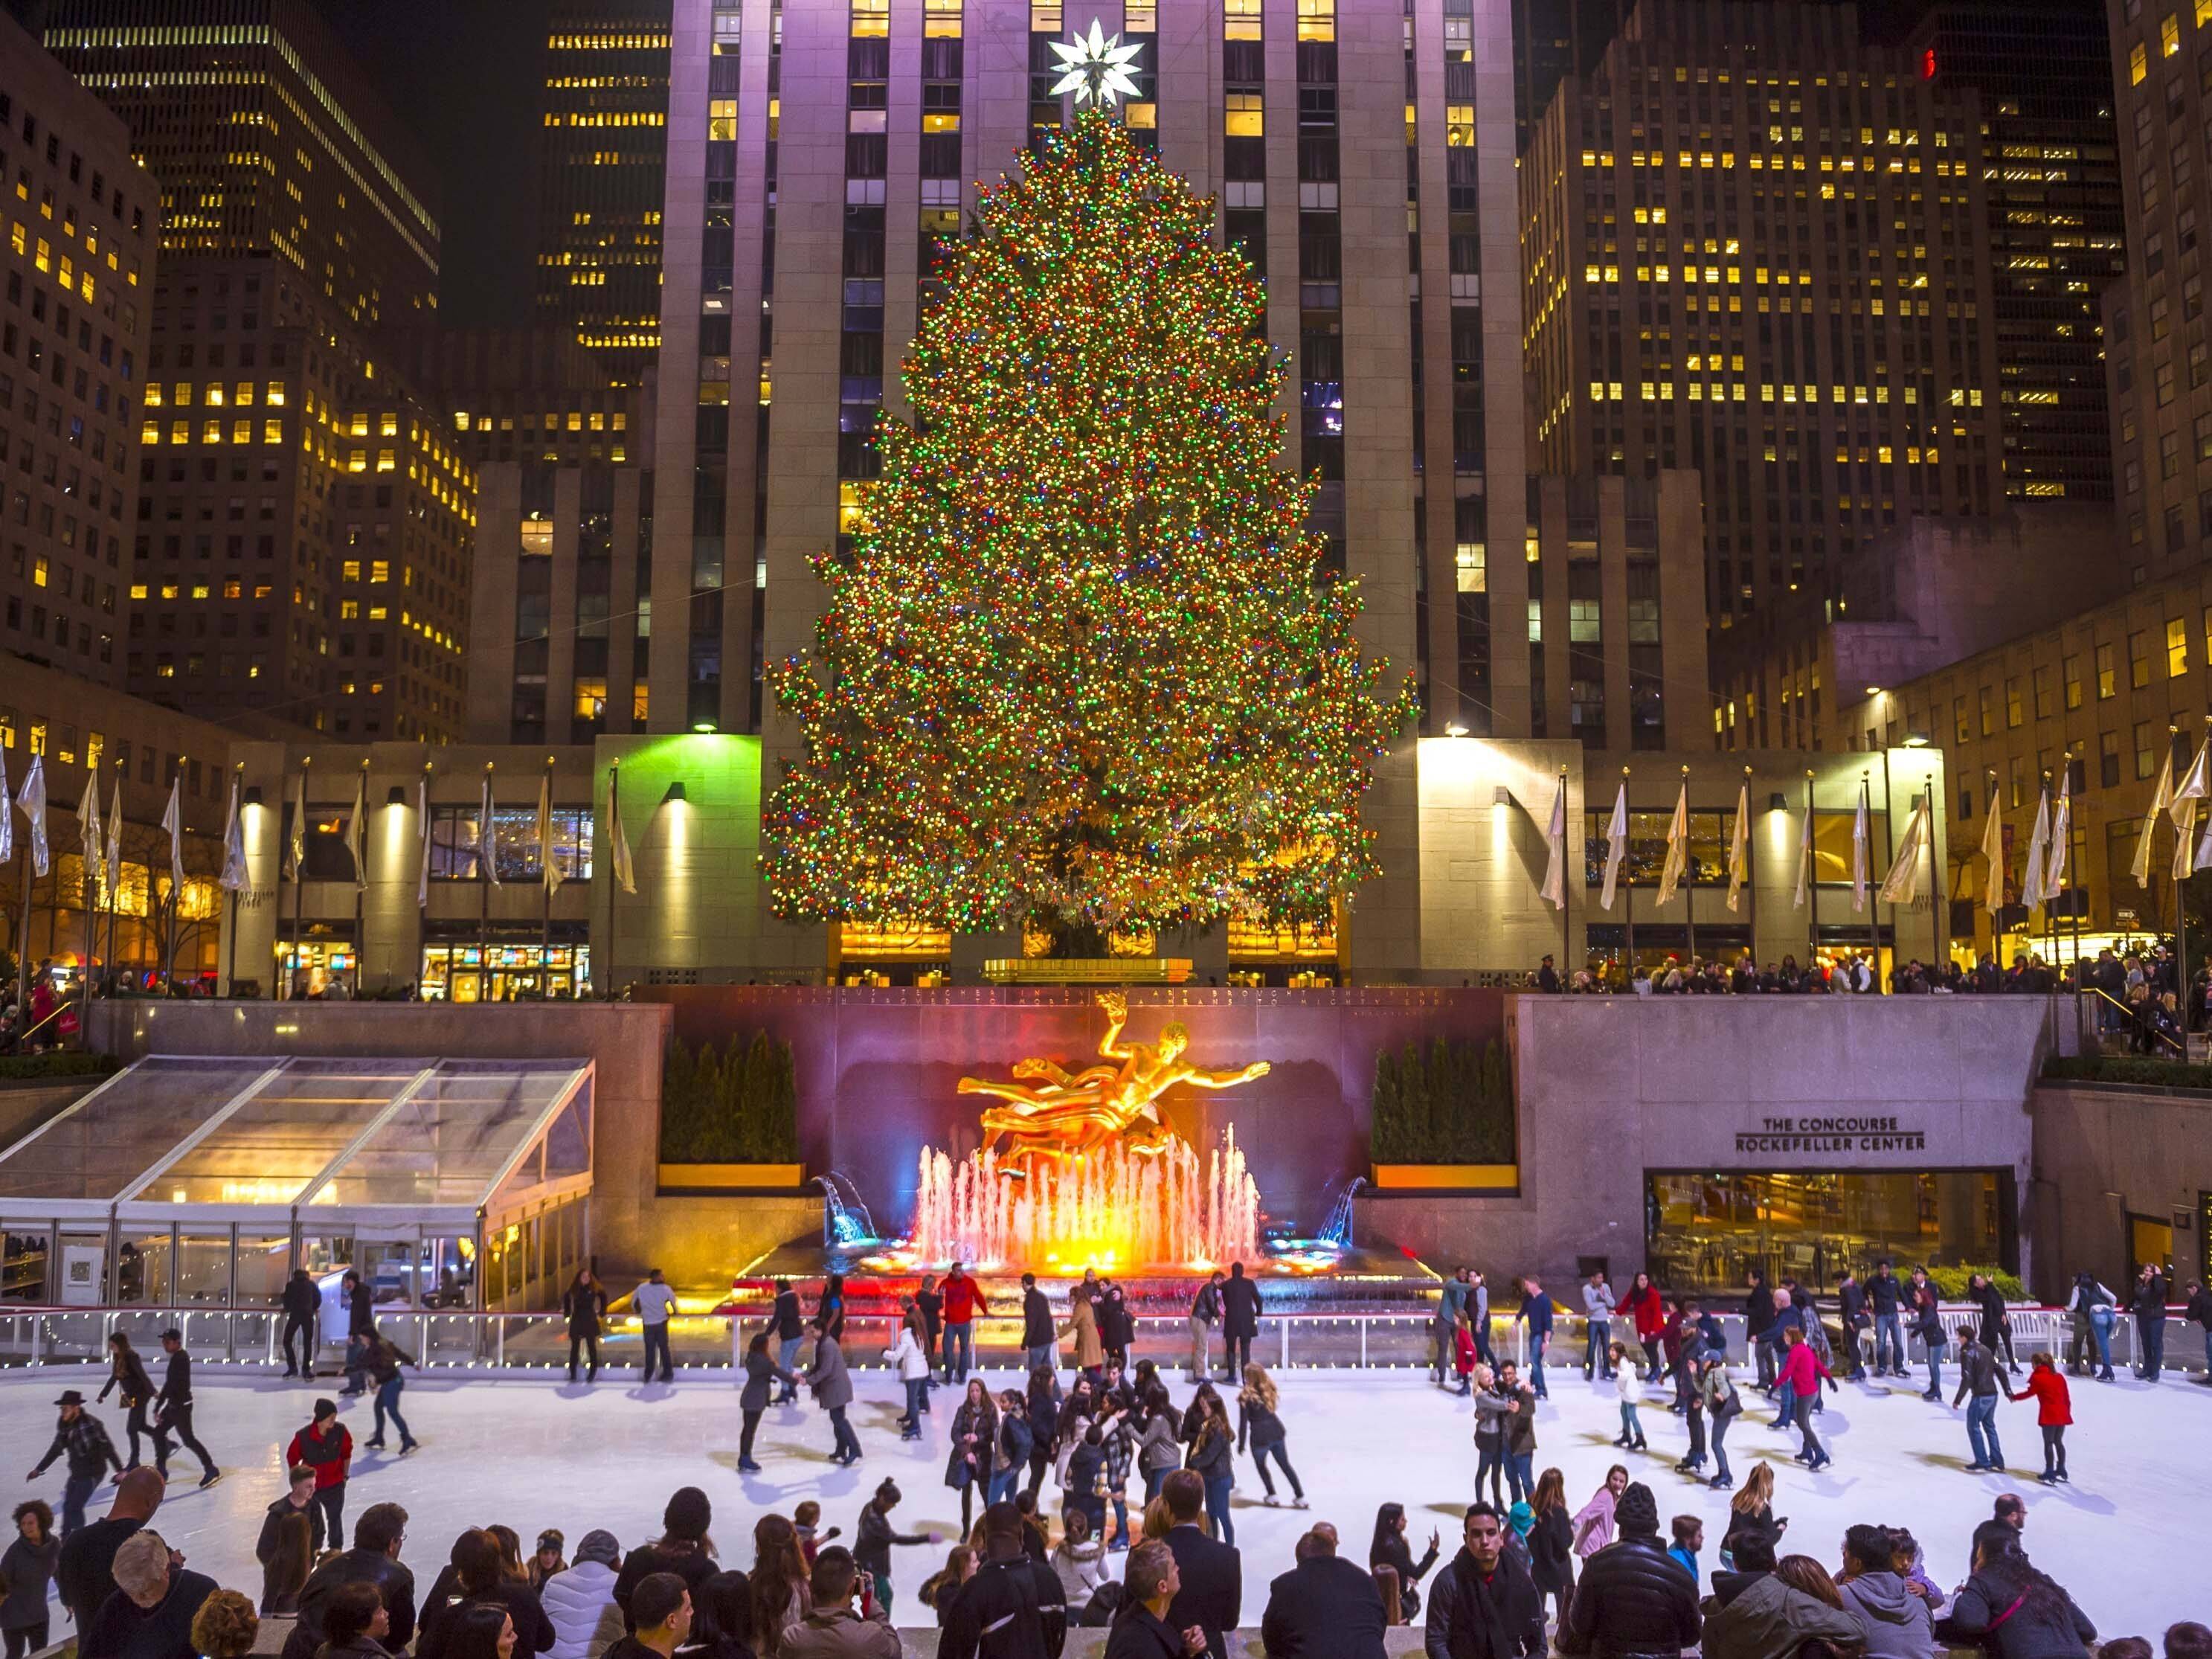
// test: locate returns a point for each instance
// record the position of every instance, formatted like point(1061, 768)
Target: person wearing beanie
point(682, 1548)
point(581, 1601)
point(1633, 1597)
point(1520, 1521)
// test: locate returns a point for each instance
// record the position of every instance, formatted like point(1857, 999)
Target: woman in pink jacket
point(1801, 1374)
point(1593, 1522)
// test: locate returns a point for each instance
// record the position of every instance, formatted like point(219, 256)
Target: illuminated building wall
point(603, 128)
point(267, 139)
point(2051, 172)
point(2158, 358)
point(1756, 248)
point(79, 220)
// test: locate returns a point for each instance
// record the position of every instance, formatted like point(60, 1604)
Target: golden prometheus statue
point(1065, 1116)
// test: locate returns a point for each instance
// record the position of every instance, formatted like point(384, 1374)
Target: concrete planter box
point(731, 1177)
point(1502, 1179)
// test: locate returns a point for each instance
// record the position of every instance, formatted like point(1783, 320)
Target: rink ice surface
point(2127, 1538)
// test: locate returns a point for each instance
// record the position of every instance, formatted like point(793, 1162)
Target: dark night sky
point(462, 73)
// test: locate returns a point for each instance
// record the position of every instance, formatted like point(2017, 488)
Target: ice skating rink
point(2125, 1537)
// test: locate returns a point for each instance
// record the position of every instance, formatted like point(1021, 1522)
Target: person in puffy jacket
point(1633, 1599)
point(1753, 1614)
point(911, 1360)
point(579, 1603)
point(1896, 1624)
point(2010, 1609)
point(2054, 1413)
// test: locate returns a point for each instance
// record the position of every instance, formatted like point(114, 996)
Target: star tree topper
point(1095, 66)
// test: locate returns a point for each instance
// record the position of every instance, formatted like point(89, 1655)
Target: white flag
point(1859, 872)
point(2039, 849)
point(1902, 885)
point(422, 865)
point(87, 836)
point(1555, 872)
point(172, 820)
point(626, 878)
point(298, 845)
point(548, 864)
point(487, 837)
point(1993, 850)
point(1740, 847)
point(1677, 861)
point(1804, 853)
point(31, 803)
point(357, 831)
point(233, 878)
point(1616, 845)
point(115, 840)
point(2160, 798)
point(2061, 835)
point(8, 814)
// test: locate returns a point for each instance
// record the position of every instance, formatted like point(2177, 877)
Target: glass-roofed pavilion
point(186, 1185)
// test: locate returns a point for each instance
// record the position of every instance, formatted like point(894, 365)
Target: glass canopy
point(439, 1144)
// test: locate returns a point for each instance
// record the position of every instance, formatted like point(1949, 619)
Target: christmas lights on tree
point(1082, 662)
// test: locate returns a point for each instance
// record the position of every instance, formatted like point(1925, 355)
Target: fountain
point(1111, 1207)
point(840, 1228)
point(1336, 1231)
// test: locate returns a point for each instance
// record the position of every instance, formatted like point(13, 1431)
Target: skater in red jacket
point(2054, 1413)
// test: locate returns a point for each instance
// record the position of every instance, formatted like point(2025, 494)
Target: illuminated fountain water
point(1109, 1208)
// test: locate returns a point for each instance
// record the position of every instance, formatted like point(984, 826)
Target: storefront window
point(497, 972)
point(1709, 1231)
point(313, 967)
point(203, 1269)
point(23, 1263)
point(265, 1262)
point(142, 1269)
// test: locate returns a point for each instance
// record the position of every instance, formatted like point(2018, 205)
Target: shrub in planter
point(1449, 1103)
point(733, 1106)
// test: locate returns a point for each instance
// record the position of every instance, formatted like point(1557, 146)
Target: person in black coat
point(1758, 1323)
point(473, 1575)
point(1389, 1549)
point(361, 1333)
point(1634, 1598)
point(126, 1372)
point(1213, 1573)
point(302, 1303)
point(1484, 1606)
point(1014, 1596)
point(1240, 1321)
point(584, 1305)
point(1116, 1329)
point(2008, 1608)
point(1323, 1607)
point(1040, 1335)
point(1141, 1629)
point(173, 1410)
point(373, 1559)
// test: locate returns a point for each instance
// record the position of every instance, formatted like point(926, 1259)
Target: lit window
point(721, 119)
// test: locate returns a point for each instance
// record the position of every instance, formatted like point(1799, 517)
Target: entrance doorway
point(2150, 1241)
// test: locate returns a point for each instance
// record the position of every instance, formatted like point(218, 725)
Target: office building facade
point(602, 137)
point(1755, 250)
point(81, 224)
point(2051, 187)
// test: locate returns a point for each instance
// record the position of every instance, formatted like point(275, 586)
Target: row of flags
point(1900, 886)
point(106, 861)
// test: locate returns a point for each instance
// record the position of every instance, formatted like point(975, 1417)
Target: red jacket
point(1463, 1351)
point(1802, 1370)
point(963, 1300)
point(326, 1454)
point(1648, 1310)
point(2054, 1400)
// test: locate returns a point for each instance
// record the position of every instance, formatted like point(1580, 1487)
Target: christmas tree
point(1082, 663)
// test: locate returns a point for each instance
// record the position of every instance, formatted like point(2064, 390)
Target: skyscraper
point(602, 140)
point(1756, 248)
point(2051, 181)
point(305, 520)
point(2159, 359)
point(267, 141)
point(80, 227)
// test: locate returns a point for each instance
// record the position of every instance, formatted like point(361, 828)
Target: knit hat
point(600, 1545)
point(1636, 1514)
point(690, 1513)
point(1521, 1518)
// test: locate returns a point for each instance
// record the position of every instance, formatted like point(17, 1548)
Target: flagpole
point(91, 910)
point(423, 890)
point(1811, 856)
point(1566, 885)
point(122, 777)
point(176, 894)
point(1689, 871)
point(1751, 877)
point(487, 850)
point(298, 838)
point(359, 876)
point(23, 938)
point(230, 955)
point(1628, 894)
point(2181, 926)
point(1936, 875)
point(545, 893)
point(614, 817)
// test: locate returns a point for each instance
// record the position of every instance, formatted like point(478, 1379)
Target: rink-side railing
point(536, 1343)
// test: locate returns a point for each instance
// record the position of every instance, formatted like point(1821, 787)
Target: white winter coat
point(580, 1602)
point(906, 1353)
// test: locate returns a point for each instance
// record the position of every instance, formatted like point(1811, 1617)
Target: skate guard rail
point(538, 1342)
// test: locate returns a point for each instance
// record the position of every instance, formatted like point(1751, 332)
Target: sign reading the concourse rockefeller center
point(1830, 1134)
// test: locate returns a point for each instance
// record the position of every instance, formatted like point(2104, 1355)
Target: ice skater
point(831, 1386)
point(173, 1413)
point(2054, 1413)
point(79, 1437)
point(762, 1372)
point(584, 1305)
point(1981, 1377)
point(1803, 1373)
point(303, 1307)
point(383, 1358)
point(126, 1372)
point(1256, 1419)
point(907, 1354)
point(1626, 1387)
